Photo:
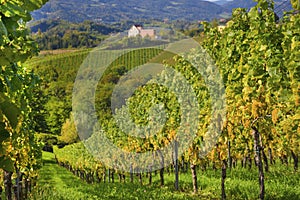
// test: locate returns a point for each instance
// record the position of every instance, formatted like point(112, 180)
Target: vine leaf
point(6, 164)
point(9, 110)
point(4, 134)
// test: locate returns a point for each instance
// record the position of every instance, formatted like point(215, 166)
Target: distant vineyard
point(58, 73)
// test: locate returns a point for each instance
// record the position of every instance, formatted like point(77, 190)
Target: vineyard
point(220, 120)
point(102, 184)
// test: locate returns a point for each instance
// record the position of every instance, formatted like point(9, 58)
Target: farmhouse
point(136, 30)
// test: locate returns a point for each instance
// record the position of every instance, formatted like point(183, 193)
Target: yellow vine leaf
point(297, 100)
point(255, 108)
point(229, 129)
point(223, 155)
point(275, 115)
point(247, 123)
point(296, 116)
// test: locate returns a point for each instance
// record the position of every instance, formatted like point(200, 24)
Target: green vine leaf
point(9, 110)
point(6, 164)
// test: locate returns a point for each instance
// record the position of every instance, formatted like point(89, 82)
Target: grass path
point(57, 183)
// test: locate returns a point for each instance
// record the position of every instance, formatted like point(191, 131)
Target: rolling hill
point(109, 11)
point(280, 5)
point(117, 10)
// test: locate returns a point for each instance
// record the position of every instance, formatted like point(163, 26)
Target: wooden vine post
point(258, 159)
point(8, 184)
point(176, 165)
point(224, 166)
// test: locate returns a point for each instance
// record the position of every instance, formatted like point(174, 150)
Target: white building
point(136, 30)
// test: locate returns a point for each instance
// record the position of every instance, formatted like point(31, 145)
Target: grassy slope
point(57, 183)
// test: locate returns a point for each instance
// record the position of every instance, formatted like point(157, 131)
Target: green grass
point(57, 183)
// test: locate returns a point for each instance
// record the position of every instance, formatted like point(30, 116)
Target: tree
point(69, 133)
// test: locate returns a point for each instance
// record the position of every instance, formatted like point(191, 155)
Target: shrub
point(69, 133)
